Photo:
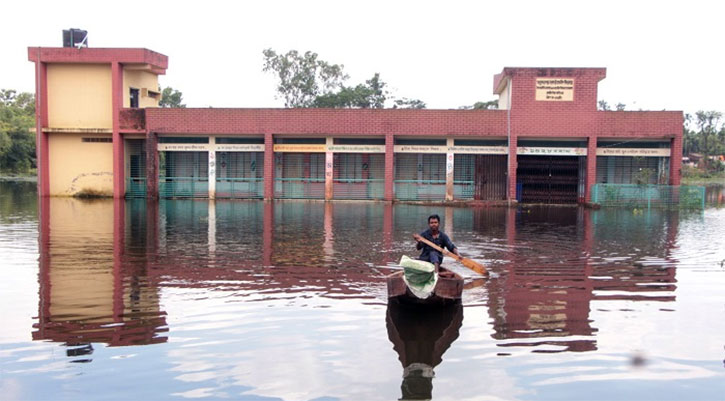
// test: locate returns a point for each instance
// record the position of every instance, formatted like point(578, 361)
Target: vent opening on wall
point(90, 139)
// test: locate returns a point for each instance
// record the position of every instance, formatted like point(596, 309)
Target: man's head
point(434, 222)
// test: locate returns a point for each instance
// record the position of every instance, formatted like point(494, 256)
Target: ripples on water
point(287, 300)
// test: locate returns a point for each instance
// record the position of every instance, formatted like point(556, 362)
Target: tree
point(303, 77)
point(604, 106)
point(689, 137)
point(17, 143)
point(708, 124)
point(489, 105)
point(406, 103)
point(371, 95)
point(307, 81)
point(170, 98)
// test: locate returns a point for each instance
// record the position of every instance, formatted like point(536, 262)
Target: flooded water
point(287, 301)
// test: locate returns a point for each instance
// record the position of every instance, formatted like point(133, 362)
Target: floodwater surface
point(247, 300)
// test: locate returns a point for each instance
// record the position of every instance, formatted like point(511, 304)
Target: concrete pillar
point(329, 158)
point(211, 239)
point(212, 167)
point(512, 165)
point(449, 169)
point(328, 245)
point(389, 166)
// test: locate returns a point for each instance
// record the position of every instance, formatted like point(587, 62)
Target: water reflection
point(286, 300)
point(421, 336)
point(715, 195)
point(563, 259)
point(94, 283)
point(103, 263)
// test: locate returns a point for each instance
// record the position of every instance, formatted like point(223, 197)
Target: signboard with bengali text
point(479, 150)
point(300, 148)
point(240, 147)
point(356, 148)
point(420, 149)
point(184, 147)
point(550, 151)
point(555, 89)
point(644, 152)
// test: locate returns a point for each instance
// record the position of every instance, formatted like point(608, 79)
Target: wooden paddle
point(473, 265)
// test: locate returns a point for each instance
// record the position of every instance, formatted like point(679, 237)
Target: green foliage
point(406, 103)
point(704, 133)
point(17, 143)
point(302, 77)
point(371, 95)
point(604, 106)
point(691, 197)
point(489, 105)
point(307, 81)
point(170, 98)
point(643, 176)
point(711, 134)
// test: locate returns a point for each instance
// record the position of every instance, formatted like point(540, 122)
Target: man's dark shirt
point(429, 254)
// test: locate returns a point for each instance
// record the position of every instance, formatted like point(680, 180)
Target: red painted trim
point(511, 227)
point(268, 166)
point(119, 244)
point(591, 168)
point(152, 166)
point(675, 160)
point(43, 265)
point(118, 156)
point(41, 121)
point(156, 61)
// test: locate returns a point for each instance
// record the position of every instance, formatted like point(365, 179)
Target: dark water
point(287, 301)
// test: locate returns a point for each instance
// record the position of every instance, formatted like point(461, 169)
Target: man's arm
point(451, 247)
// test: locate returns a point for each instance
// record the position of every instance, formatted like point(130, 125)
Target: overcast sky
point(658, 55)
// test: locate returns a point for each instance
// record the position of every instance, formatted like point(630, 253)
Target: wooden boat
point(448, 289)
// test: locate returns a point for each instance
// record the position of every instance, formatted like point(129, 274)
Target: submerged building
point(100, 132)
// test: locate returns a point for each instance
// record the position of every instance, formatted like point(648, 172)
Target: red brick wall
point(528, 122)
point(328, 121)
point(640, 124)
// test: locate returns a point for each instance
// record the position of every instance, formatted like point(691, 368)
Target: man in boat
point(436, 236)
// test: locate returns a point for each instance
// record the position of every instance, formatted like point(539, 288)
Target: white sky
point(658, 54)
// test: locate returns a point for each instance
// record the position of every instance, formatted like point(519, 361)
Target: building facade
point(100, 132)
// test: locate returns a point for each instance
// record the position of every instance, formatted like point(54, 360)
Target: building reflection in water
point(103, 263)
point(560, 261)
point(93, 276)
point(421, 336)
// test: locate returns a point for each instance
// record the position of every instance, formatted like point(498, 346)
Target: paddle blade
point(473, 265)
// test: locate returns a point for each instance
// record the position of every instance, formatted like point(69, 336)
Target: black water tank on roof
point(72, 37)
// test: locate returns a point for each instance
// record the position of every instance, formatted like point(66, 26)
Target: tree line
point(17, 120)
